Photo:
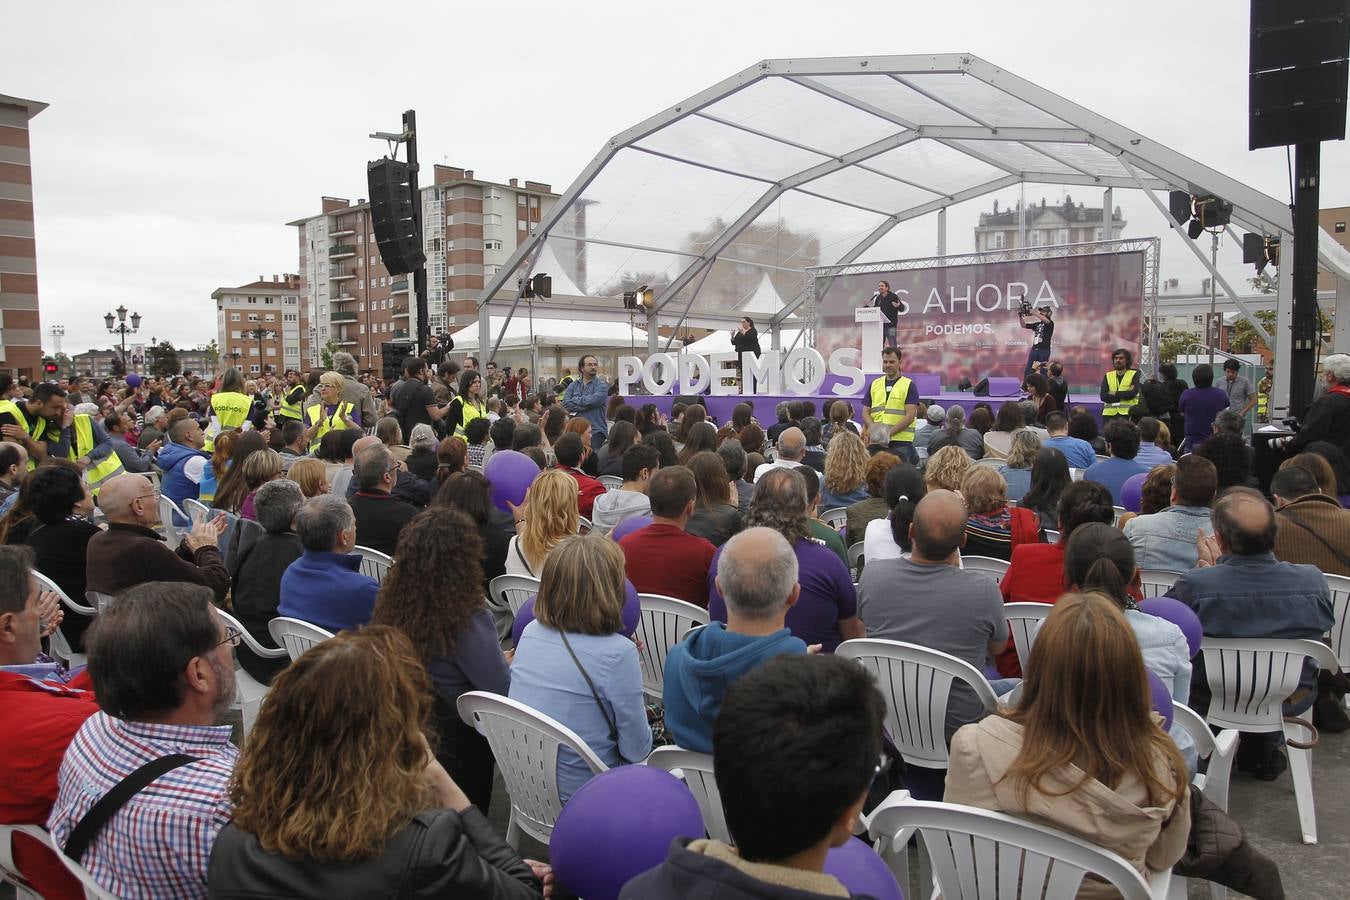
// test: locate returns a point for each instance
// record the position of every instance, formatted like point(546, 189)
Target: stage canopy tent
point(794, 163)
point(555, 333)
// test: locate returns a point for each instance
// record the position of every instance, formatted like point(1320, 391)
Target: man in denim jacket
point(1166, 539)
point(586, 397)
point(1245, 592)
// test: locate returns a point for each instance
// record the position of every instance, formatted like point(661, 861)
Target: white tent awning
point(549, 333)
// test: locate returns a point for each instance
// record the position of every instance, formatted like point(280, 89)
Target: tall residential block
point(20, 326)
point(258, 327)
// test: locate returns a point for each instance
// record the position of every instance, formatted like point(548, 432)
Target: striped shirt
point(159, 843)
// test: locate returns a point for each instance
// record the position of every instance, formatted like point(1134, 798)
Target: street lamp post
point(122, 329)
point(260, 334)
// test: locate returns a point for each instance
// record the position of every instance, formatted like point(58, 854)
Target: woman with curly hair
point(581, 427)
point(752, 439)
point(1232, 458)
point(994, 528)
point(846, 463)
point(452, 631)
point(863, 512)
point(232, 488)
point(665, 446)
point(650, 419)
point(945, 469)
point(336, 793)
point(548, 515)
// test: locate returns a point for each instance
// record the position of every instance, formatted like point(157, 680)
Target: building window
point(1340, 228)
point(361, 329)
point(268, 301)
point(270, 317)
point(492, 219)
point(490, 270)
point(361, 284)
point(360, 307)
point(254, 368)
point(520, 199)
point(236, 335)
point(492, 245)
point(234, 317)
point(271, 351)
point(253, 317)
point(998, 240)
point(1198, 320)
point(252, 351)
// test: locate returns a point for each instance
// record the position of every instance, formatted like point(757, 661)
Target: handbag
point(595, 695)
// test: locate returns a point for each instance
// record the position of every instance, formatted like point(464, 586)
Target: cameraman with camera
point(1040, 322)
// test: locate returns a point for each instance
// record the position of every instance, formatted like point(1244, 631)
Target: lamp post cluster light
point(118, 325)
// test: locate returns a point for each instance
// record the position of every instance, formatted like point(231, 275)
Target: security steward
point(891, 401)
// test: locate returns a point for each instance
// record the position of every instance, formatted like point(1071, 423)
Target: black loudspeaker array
point(392, 355)
point(392, 214)
point(1298, 71)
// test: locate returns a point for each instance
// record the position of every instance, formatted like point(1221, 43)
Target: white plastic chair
point(249, 692)
point(584, 525)
point(229, 537)
point(98, 600)
point(662, 623)
point(9, 871)
point(1157, 582)
point(1214, 783)
point(981, 855)
point(855, 561)
point(296, 635)
point(511, 591)
point(835, 518)
point(525, 744)
point(916, 682)
point(60, 646)
point(696, 771)
point(1120, 511)
point(987, 565)
point(1249, 679)
point(1051, 536)
point(1024, 620)
point(196, 508)
point(1339, 585)
point(611, 482)
point(374, 563)
point(171, 519)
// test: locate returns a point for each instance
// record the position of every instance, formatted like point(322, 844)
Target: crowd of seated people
point(701, 516)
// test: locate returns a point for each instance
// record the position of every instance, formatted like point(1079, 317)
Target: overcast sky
point(181, 136)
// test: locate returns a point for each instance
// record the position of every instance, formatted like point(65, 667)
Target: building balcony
point(341, 231)
point(345, 341)
point(399, 334)
point(341, 251)
point(399, 287)
point(400, 311)
point(342, 317)
point(341, 274)
point(345, 298)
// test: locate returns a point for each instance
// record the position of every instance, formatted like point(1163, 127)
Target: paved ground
point(1265, 809)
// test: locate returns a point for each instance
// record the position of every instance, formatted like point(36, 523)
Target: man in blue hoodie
point(325, 586)
point(183, 462)
point(757, 576)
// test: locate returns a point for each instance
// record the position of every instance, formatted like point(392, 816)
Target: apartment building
point(96, 363)
point(347, 296)
point(258, 326)
point(20, 325)
point(1045, 226)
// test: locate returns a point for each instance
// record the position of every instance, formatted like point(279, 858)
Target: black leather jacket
point(440, 853)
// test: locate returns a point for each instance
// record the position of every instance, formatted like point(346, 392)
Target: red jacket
point(588, 489)
point(38, 720)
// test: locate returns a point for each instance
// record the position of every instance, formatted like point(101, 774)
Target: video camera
point(1024, 308)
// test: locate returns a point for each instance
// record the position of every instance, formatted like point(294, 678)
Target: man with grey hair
point(257, 566)
point(156, 423)
point(1229, 421)
point(353, 391)
point(1328, 419)
point(757, 576)
point(791, 452)
point(325, 586)
point(878, 439)
point(379, 516)
point(1240, 590)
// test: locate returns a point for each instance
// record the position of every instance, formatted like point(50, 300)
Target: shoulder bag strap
point(525, 562)
point(107, 806)
point(595, 695)
point(1345, 560)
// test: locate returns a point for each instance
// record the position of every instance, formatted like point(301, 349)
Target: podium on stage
point(870, 321)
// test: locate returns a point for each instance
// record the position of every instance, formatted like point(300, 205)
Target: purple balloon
point(859, 869)
point(1180, 615)
point(617, 826)
point(133, 380)
point(1130, 491)
point(1161, 698)
point(629, 525)
point(510, 475)
point(632, 610)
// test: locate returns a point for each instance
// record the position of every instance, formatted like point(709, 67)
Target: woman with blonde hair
point(1016, 471)
point(331, 413)
point(548, 515)
point(573, 662)
point(945, 469)
point(1082, 749)
point(310, 474)
point(994, 528)
point(259, 467)
point(337, 794)
point(846, 462)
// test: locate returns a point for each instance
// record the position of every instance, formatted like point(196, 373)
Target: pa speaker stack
point(392, 212)
point(392, 355)
point(1298, 70)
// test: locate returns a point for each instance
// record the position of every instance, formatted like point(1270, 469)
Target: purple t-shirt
point(827, 595)
point(1200, 406)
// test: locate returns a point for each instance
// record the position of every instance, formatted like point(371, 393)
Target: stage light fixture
point(1198, 212)
point(646, 296)
point(1261, 251)
point(630, 300)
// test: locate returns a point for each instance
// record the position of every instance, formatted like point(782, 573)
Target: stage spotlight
point(1198, 213)
point(630, 300)
point(646, 296)
point(1260, 251)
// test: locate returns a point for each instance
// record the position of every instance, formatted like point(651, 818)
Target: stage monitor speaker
point(1297, 71)
point(982, 389)
point(392, 211)
point(392, 355)
point(690, 400)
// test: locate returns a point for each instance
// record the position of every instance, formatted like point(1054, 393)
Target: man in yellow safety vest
point(292, 398)
point(891, 401)
point(40, 424)
point(93, 450)
point(1120, 385)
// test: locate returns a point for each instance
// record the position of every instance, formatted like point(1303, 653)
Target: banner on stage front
point(801, 371)
point(962, 320)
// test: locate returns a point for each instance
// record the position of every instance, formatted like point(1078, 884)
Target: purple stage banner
point(962, 320)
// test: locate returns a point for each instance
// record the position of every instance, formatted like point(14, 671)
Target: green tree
point(212, 351)
point(164, 360)
point(118, 367)
point(326, 353)
point(65, 365)
point(1243, 338)
point(1172, 343)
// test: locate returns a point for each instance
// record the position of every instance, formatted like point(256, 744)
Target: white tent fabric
point(765, 301)
point(550, 333)
point(548, 264)
point(720, 341)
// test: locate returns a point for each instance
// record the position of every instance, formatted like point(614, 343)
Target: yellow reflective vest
point(82, 444)
point(327, 423)
point(292, 403)
point(468, 412)
point(36, 426)
point(888, 408)
point(1116, 383)
point(229, 410)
